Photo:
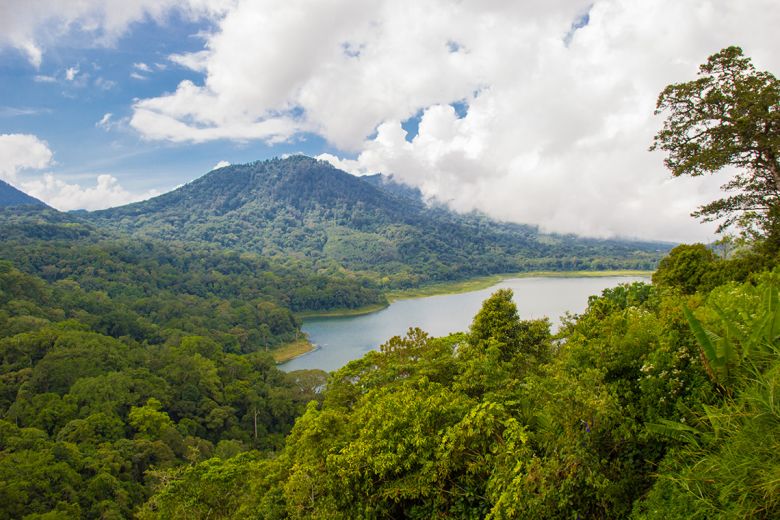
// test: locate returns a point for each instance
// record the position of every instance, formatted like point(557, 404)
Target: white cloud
point(22, 111)
point(143, 67)
point(106, 193)
point(105, 122)
point(556, 132)
point(41, 78)
point(135, 75)
point(22, 152)
point(220, 164)
point(71, 72)
point(31, 26)
point(197, 61)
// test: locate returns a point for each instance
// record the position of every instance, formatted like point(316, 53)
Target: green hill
point(309, 210)
point(10, 196)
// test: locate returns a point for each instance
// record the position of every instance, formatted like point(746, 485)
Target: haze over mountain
point(10, 196)
point(307, 208)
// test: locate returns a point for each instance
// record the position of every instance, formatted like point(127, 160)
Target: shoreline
point(464, 286)
point(300, 347)
point(483, 282)
point(289, 351)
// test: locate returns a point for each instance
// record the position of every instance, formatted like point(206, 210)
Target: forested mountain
point(240, 299)
point(308, 209)
point(10, 196)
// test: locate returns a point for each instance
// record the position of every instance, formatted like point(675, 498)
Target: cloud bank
point(537, 112)
point(32, 25)
point(22, 156)
point(554, 99)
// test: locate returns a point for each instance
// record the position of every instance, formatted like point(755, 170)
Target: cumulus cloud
point(558, 97)
point(555, 98)
point(106, 193)
point(25, 153)
point(31, 26)
point(22, 152)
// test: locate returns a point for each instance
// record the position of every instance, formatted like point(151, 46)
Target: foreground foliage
point(628, 412)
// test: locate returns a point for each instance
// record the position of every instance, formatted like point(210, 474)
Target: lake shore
point(289, 351)
point(463, 286)
point(343, 339)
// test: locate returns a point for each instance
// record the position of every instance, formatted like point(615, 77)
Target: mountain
point(306, 209)
point(60, 246)
point(387, 183)
point(10, 196)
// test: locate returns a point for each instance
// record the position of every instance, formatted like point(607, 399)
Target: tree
point(497, 319)
point(729, 116)
point(685, 267)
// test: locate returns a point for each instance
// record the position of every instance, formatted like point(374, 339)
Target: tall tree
point(728, 117)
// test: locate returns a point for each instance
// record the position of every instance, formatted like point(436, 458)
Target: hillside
point(242, 299)
point(10, 196)
point(312, 211)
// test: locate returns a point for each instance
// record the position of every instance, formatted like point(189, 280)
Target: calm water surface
point(340, 340)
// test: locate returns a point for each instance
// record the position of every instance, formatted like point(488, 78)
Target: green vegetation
point(134, 382)
point(95, 399)
point(329, 220)
point(729, 116)
point(239, 299)
point(612, 418)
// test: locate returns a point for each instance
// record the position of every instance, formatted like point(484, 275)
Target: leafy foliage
point(86, 418)
point(613, 418)
point(729, 116)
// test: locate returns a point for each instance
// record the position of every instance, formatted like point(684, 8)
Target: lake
point(339, 340)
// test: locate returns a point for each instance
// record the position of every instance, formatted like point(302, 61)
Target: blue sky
point(64, 113)
point(532, 112)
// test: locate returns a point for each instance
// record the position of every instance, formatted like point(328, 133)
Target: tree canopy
point(728, 117)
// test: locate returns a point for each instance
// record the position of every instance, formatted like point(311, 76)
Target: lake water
point(340, 340)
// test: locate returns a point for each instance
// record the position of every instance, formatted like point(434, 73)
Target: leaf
point(703, 337)
point(675, 430)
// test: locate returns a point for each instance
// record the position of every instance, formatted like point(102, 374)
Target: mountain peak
point(10, 196)
point(303, 208)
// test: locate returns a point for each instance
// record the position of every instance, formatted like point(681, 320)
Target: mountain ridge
point(12, 196)
point(309, 210)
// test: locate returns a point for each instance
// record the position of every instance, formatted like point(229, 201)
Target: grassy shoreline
point(339, 313)
point(292, 350)
point(462, 286)
point(483, 282)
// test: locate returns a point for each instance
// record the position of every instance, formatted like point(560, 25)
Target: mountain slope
point(309, 210)
point(10, 196)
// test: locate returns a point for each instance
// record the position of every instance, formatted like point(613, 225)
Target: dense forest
point(306, 209)
point(134, 380)
point(657, 402)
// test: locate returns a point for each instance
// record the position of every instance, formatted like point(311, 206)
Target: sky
point(537, 112)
